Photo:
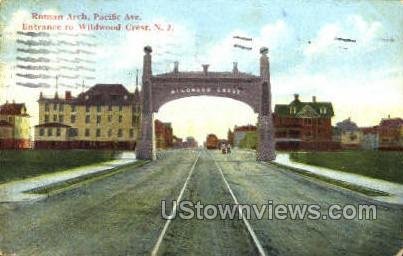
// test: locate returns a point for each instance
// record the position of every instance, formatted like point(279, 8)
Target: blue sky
point(364, 81)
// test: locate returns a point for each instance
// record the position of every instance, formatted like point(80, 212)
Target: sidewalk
point(394, 189)
point(14, 191)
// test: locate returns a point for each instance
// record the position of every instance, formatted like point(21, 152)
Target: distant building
point(14, 126)
point(106, 116)
point(391, 134)
point(370, 138)
point(190, 143)
point(211, 141)
point(240, 133)
point(163, 134)
point(350, 135)
point(304, 125)
point(177, 142)
point(230, 137)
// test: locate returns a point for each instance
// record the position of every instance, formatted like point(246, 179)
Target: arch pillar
point(146, 148)
point(265, 128)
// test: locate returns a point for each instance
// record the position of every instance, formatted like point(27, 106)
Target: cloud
point(354, 27)
point(274, 35)
point(168, 46)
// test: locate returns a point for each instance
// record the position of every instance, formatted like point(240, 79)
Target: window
point(110, 108)
point(61, 118)
point(10, 119)
point(120, 119)
point(58, 132)
point(61, 107)
point(73, 118)
point(73, 108)
point(120, 133)
point(55, 106)
point(110, 118)
point(87, 132)
point(41, 132)
point(87, 109)
point(98, 132)
point(47, 107)
point(46, 118)
point(87, 119)
point(50, 131)
point(110, 133)
point(73, 132)
point(131, 133)
point(120, 108)
point(98, 108)
point(98, 119)
point(54, 118)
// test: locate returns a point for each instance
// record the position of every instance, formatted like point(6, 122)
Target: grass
point(70, 183)
point(385, 165)
point(343, 184)
point(16, 165)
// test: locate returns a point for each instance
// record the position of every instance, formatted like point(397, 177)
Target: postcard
point(258, 127)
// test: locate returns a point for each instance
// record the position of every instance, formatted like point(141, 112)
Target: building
point(190, 143)
point(163, 134)
point(350, 135)
point(106, 116)
point(211, 141)
point(370, 138)
point(304, 125)
point(15, 131)
point(240, 132)
point(177, 142)
point(230, 137)
point(391, 134)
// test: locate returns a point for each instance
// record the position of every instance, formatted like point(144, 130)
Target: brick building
point(240, 133)
point(163, 134)
point(304, 125)
point(14, 126)
point(106, 116)
point(391, 134)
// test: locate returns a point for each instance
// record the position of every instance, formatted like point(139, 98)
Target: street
point(121, 214)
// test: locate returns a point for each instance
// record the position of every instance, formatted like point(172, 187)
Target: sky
point(362, 79)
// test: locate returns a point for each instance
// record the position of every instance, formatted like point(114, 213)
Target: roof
point(202, 75)
point(16, 109)
point(369, 130)
point(101, 94)
point(347, 125)
point(49, 125)
point(391, 122)
point(245, 128)
point(304, 109)
point(4, 123)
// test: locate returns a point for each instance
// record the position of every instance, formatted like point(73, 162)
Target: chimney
point(235, 68)
point(67, 95)
point(296, 96)
point(176, 67)
point(56, 95)
point(205, 68)
point(41, 95)
point(13, 101)
point(314, 99)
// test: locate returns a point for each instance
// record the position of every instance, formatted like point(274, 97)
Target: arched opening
point(198, 116)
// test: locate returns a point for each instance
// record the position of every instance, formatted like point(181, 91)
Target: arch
point(247, 88)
